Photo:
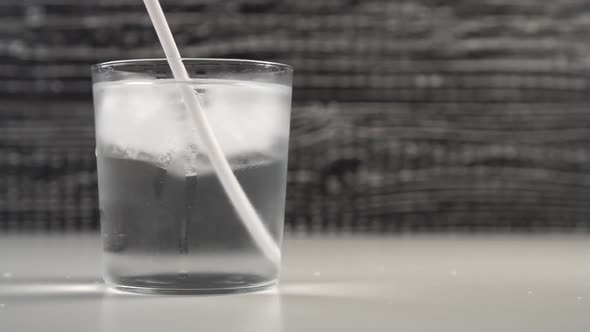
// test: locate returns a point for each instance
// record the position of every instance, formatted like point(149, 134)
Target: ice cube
point(246, 118)
point(141, 118)
point(150, 121)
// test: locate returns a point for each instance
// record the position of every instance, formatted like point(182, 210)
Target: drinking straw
point(234, 191)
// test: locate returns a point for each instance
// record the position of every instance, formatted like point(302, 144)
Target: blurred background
point(421, 115)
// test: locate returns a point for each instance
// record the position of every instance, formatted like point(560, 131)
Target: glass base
point(179, 284)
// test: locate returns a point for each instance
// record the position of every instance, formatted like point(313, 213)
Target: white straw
point(230, 184)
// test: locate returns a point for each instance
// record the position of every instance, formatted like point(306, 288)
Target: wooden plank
point(408, 115)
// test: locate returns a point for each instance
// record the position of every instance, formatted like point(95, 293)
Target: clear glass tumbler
point(167, 223)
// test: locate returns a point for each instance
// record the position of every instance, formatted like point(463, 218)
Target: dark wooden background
point(407, 115)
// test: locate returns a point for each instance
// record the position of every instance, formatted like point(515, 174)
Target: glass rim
point(190, 61)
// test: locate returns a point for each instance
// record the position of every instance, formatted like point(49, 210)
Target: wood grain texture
point(407, 115)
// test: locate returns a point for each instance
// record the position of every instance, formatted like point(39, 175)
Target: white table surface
point(330, 283)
